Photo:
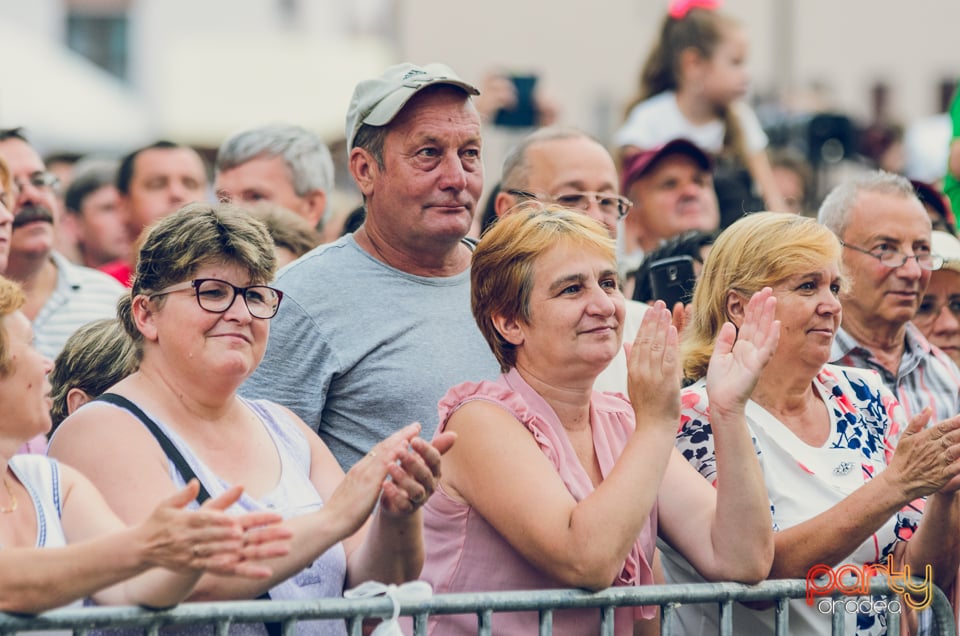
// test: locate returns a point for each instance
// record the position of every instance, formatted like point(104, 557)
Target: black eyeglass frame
point(237, 291)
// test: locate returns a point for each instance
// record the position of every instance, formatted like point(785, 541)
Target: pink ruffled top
point(35, 446)
point(465, 554)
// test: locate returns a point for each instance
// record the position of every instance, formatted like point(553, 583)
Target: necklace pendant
point(843, 468)
point(13, 498)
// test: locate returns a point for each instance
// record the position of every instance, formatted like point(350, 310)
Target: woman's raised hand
point(413, 467)
point(653, 367)
point(739, 356)
point(210, 539)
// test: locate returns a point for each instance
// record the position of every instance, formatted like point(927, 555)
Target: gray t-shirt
point(360, 349)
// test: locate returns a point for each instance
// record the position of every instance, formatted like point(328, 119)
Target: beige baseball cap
point(947, 246)
point(377, 101)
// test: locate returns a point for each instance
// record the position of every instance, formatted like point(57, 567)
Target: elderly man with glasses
point(61, 296)
point(568, 167)
point(564, 166)
point(888, 259)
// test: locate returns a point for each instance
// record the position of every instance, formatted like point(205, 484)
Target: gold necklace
point(13, 498)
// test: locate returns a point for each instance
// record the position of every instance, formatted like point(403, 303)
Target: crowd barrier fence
point(484, 605)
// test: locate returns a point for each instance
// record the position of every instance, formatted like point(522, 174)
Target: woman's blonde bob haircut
point(501, 275)
point(760, 250)
point(11, 299)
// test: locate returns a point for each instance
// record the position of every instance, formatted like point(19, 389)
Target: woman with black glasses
point(199, 312)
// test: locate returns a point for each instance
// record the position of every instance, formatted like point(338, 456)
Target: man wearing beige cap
point(376, 326)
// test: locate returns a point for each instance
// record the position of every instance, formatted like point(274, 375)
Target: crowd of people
point(207, 401)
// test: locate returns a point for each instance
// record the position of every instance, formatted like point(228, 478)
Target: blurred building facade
point(196, 70)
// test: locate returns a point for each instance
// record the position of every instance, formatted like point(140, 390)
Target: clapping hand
point(653, 367)
point(414, 477)
point(739, 356)
point(401, 472)
point(209, 539)
point(926, 459)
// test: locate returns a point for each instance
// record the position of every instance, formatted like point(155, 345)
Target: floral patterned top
point(804, 481)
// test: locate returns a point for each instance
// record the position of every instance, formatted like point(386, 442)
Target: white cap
point(947, 246)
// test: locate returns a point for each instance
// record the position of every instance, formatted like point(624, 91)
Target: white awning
point(208, 88)
point(63, 100)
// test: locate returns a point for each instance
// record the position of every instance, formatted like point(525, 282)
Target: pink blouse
point(35, 446)
point(466, 554)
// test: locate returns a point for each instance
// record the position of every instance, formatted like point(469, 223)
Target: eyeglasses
point(39, 180)
point(609, 203)
point(217, 296)
point(930, 309)
point(894, 259)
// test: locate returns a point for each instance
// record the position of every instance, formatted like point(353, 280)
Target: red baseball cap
point(641, 163)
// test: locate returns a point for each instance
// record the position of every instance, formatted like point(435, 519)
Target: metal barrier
point(484, 605)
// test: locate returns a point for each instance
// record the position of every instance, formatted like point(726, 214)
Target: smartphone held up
point(672, 280)
point(523, 113)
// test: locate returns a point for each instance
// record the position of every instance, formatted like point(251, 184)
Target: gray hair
point(835, 210)
point(515, 165)
point(371, 139)
point(305, 154)
point(89, 175)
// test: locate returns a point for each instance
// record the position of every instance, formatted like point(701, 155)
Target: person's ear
point(315, 204)
point(143, 311)
point(635, 215)
point(364, 168)
point(736, 307)
point(503, 203)
point(75, 399)
point(692, 63)
point(510, 329)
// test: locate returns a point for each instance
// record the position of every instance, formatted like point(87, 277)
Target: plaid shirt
point(926, 377)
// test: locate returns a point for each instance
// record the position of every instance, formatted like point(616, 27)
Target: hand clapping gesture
point(739, 356)
point(210, 539)
point(926, 458)
point(653, 366)
point(412, 465)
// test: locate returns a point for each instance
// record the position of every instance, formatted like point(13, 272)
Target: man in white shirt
point(61, 296)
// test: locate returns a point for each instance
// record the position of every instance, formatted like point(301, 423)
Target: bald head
point(554, 162)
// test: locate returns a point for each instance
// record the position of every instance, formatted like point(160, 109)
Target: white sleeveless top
point(40, 475)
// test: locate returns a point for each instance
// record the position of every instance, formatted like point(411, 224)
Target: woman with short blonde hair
point(552, 484)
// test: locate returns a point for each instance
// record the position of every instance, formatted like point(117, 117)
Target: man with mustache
point(887, 259)
point(376, 326)
point(61, 296)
